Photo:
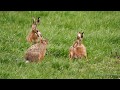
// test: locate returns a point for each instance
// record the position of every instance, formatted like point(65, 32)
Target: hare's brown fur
point(37, 51)
point(35, 34)
point(78, 50)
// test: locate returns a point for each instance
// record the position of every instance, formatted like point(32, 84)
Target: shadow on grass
point(60, 66)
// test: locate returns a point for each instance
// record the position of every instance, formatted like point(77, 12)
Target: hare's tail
point(27, 62)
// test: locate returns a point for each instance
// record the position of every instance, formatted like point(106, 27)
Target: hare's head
point(80, 35)
point(44, 41)
point(34, 27)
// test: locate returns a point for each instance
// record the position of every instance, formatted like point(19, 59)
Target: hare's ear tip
point(82, 32)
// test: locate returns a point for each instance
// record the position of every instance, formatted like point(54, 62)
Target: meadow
point(101, 38)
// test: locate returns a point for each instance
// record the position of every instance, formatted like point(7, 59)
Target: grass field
point(101, 37)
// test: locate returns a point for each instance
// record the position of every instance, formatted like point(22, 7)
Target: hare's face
point(34, 27)
point(80, 35)
point(45, 42)
point(39, 33)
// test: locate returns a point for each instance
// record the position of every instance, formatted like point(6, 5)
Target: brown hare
point(78, 50)
point(35, 34)
point(36, 52)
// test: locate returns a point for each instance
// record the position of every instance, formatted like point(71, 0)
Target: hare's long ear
point(82, 34)
point(38, 20)
point(33, 20)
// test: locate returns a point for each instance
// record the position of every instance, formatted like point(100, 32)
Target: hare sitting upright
point(35, 33)
point(78, 50)
point(37, 51)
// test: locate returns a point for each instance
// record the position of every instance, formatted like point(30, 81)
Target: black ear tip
point(38, 17)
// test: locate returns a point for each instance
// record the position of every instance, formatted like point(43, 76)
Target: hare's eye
point(37, 30)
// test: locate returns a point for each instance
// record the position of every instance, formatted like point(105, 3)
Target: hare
point(36, 52)
point(78, 50)
point(35, 33)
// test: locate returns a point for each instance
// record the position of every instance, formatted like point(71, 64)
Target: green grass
point(101, 37)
